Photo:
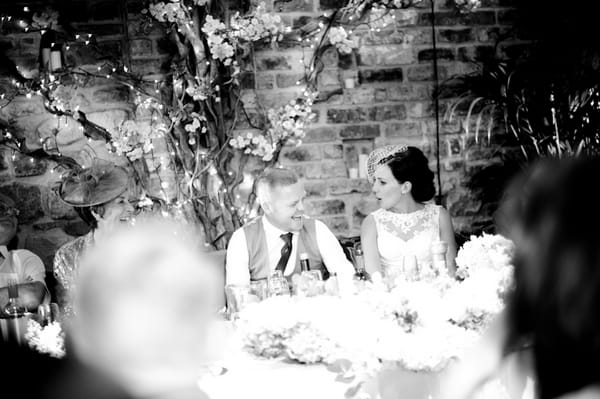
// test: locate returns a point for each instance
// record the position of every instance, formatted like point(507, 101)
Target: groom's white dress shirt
point(237, 267)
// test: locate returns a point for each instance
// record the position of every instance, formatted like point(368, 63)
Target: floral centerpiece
point(485, 272)
point(416, 325)
point(48, 339)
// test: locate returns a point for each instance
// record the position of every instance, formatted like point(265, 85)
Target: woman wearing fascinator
point(101, 196)
point(407, 236)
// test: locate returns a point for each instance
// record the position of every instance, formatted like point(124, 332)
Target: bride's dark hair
point(413, 166)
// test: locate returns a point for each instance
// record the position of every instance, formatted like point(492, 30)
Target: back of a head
point(551, 213)
point(412, 165)
point(145, 300)
point(271, 178)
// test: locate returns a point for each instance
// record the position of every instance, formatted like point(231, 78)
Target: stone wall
point(391, 102)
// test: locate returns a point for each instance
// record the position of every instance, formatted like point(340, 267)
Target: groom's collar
point(271, 228)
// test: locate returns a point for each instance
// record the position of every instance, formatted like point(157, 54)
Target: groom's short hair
point(271, 178)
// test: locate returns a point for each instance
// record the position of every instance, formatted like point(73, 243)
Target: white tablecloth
point(251, 377)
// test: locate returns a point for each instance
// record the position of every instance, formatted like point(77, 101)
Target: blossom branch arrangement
point(192, 143)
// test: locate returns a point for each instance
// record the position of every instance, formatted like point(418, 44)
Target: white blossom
point(287, 124)
point(339, 38)
point(49, 340)
point(134, 139)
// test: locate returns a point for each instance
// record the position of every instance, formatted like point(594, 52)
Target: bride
point(398, 238)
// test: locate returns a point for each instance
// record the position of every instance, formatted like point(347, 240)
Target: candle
point(349, 83)
point(362, 165)
point(55, 60)
point(353, 173)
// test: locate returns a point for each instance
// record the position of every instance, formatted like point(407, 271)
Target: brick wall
point(390, 103)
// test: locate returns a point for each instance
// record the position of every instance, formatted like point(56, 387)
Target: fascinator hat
point(382, 155)
point(98, 184)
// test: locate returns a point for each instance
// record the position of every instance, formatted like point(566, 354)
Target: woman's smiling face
point(118, 210)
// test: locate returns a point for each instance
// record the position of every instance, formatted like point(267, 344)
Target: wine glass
point(48, 313)
point(391, 274)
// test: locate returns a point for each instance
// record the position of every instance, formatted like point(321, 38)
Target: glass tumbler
point(236, 297)
point(277, 284)
point(260, 289)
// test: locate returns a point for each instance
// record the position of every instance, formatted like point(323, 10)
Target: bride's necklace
point(415, 208)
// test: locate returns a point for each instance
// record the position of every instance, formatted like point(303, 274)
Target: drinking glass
point(236, 297)
point(13, 290)
point(391, 274)
point(411, 267)
point(48, 313)
point(314, 275)
point(277, 284)
point(260, 289)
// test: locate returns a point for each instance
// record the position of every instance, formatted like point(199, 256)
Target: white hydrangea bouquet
point(369, 329)
point(485, 271)
point(49, 339)
point(487, 251)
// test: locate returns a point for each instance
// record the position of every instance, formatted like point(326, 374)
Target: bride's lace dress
point(404, 241)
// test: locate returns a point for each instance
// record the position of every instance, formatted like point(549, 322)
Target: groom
point(275, 240)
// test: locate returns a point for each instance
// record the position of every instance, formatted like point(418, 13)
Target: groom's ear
point(266, 206)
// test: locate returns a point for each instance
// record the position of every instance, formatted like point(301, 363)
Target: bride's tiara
point(382, 155)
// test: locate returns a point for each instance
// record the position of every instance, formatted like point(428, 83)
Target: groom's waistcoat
point(258, 256)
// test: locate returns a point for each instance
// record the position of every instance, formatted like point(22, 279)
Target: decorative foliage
point(546, 108)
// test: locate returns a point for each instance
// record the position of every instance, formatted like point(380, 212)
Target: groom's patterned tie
point(285, 251)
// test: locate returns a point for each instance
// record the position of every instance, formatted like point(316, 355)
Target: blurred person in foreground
point(18, 265)
point(145, 304)
point(275, 240)
point(101, 196)
point(551, 213)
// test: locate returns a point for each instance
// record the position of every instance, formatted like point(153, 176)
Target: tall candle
point(55, 60)
point(362, 165)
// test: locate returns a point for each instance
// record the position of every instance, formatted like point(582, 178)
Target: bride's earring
point(405, 188)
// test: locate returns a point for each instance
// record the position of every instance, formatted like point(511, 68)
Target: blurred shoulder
point(25, 254)
point(591, 392)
